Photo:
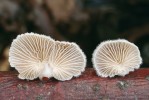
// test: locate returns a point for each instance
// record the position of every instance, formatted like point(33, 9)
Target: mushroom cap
point(67, 60)
point(116, 57)
point(28, 54)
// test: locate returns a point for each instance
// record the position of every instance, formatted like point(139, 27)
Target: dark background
point(86, 22)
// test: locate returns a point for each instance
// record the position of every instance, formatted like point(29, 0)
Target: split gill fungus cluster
point(39, 56)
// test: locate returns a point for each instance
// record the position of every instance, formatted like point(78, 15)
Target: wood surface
point(88, 86)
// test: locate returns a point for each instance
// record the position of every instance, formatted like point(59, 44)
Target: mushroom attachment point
point(29, 54)
point(116, 57)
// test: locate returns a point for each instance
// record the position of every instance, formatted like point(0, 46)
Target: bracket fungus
point(116, 57)
point(38, 56)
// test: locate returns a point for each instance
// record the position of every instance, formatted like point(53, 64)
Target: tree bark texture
point(88, 86)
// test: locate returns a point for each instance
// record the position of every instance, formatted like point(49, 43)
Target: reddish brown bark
point(88, 86)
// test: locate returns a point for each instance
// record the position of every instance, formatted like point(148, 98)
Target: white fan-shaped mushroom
point(40, 56)
point(29, 54)
point(116, 57)
point(67, 60)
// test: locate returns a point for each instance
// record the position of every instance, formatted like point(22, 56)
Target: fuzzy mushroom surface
point(116, 57)
point(39, 56)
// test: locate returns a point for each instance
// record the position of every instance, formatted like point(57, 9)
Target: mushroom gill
point(67, 60)
point(116, 57)
point(29, 53)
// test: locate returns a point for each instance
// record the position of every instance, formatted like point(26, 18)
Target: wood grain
point(88, 86)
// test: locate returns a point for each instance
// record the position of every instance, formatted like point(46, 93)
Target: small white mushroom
point(67, 60)
point(116, 57)
point(29, 54)
point(40, 56)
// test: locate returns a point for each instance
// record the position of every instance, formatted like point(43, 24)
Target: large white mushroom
point(29, 54)
point(35, 55)
point(67, 60)
point(116, 57)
